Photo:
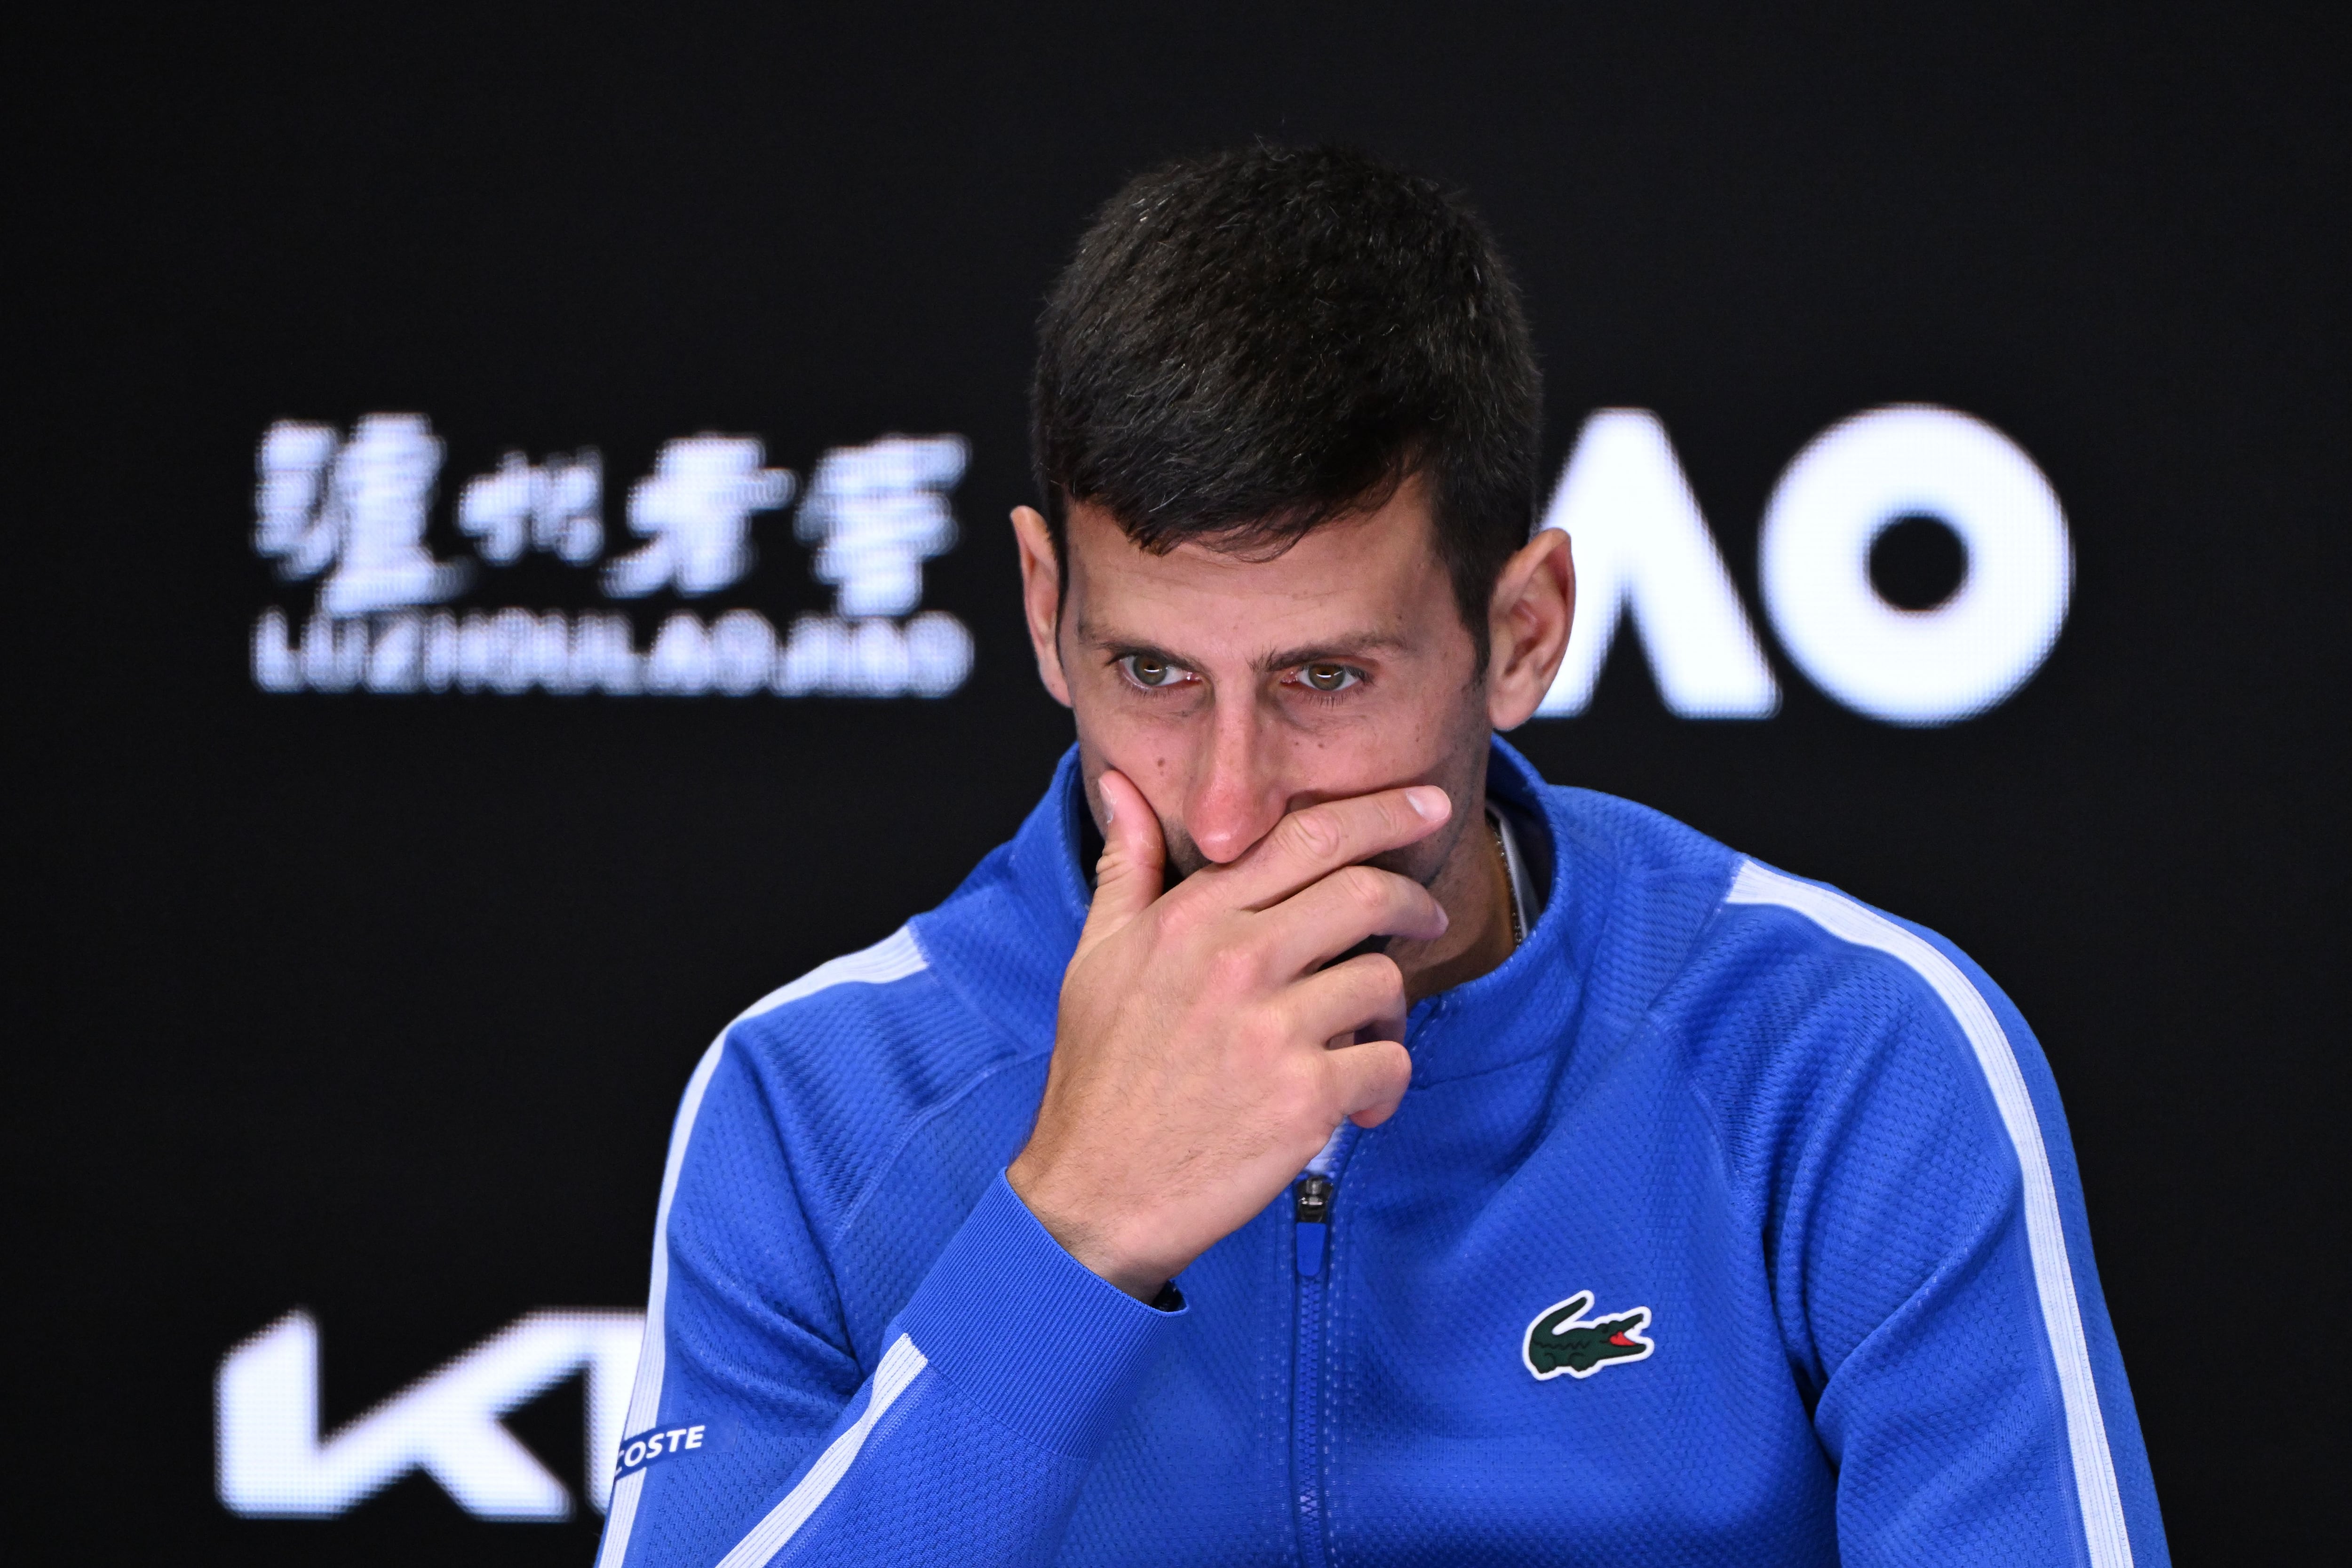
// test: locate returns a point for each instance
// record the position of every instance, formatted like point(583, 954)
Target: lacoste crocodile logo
point(1558, 1340)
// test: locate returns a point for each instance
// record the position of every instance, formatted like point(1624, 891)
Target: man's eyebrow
point(1333, 647)
point(1090, 635)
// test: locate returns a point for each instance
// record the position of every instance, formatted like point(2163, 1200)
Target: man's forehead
point(1366, 578)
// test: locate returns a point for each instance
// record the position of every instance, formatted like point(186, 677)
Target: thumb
point(1129, 876)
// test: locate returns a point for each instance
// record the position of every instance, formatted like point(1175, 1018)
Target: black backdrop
point(380, 1006)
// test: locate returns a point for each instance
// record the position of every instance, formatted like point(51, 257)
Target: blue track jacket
point(1730, 1221)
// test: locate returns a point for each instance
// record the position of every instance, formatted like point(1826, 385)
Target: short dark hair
point(1251, 344)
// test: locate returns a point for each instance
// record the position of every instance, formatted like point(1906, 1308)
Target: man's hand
point(1201, 1059)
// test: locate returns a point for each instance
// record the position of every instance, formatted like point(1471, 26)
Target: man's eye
point(1328, 676)
point(1147, 669)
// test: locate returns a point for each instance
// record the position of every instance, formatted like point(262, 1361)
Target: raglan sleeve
point(756, 1436)
point(1934, 1274)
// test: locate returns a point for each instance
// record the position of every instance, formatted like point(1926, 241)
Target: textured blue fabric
point(1685, 1094)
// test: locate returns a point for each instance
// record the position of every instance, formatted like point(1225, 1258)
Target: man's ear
point(1041, 597)
point(1526, 627)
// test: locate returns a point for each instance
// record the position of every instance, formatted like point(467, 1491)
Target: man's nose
point(1237, 793)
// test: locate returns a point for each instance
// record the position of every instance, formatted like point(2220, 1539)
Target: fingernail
point(1429, 801)
point(1110, 812)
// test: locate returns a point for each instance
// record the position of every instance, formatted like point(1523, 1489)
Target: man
point(1390, 1157)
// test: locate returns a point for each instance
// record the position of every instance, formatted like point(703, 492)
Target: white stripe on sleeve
point(2053, 1279)
point(895, 957)
point(901, 1364)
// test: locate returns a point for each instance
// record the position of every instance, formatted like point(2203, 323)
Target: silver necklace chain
point(1510, 886)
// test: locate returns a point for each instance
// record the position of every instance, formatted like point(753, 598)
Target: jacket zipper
point(1311, 1214)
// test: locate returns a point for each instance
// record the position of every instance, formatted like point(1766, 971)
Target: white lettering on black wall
point(352, 514)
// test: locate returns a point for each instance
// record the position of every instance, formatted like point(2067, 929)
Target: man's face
point(1233, 689)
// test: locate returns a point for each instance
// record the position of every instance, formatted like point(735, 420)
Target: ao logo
point(273, 1463)
point(1642, 546)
